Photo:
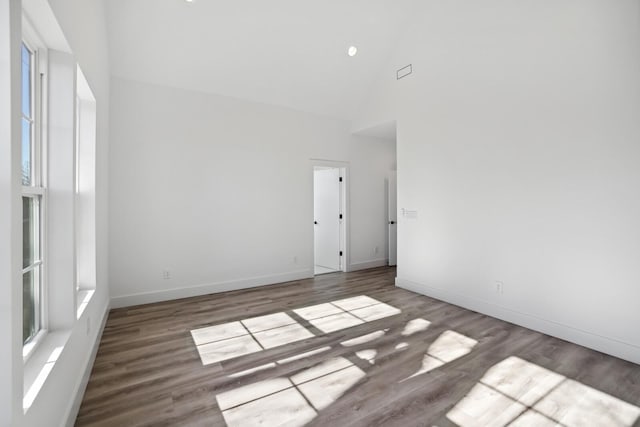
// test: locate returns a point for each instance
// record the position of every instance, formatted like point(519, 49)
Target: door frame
point(345, 235)
point(392, 182)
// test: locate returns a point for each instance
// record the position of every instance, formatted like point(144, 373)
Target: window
point(85, 145)
point(32, 198)
point(58, 202)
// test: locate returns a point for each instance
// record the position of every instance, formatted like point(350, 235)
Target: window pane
point(26, 81)
point(29, 314)
point(26, 152)
point(27, 116)
point(29, 228)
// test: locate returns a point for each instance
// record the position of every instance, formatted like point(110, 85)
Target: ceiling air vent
point(404, 72)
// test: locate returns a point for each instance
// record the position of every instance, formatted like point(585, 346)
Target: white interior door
point(393, 220)
point(326, 208)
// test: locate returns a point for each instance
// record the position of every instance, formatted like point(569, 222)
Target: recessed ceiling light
point(352, 51)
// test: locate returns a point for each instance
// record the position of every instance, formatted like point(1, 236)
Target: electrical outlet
point(166, 274)
point(376, 250)
point(499, 287)
point(295, 259)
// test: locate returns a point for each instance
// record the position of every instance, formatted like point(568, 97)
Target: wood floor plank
point(414, 367)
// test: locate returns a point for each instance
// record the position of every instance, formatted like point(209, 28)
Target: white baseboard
point(80, 388)
point(210, 288)
point(368, 264)
point(614, 347)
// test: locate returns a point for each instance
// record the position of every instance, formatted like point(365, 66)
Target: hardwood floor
point(395, 359)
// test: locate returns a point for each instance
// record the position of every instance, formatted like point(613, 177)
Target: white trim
point(74, 404)
point(29, 191)
point(374, 263)
point(614, 347)
point(209, 288)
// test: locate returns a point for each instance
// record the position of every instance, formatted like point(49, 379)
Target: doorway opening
point(329, 217)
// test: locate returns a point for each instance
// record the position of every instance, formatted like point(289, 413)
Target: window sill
point(40, 363)
point(83, 297)
point(29, 348)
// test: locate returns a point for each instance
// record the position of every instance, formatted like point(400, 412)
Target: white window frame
point(38, 187)
point(76, 189)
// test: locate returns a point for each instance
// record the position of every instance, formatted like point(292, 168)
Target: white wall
point(518, 146)
point(218, 191)
point(10, 216)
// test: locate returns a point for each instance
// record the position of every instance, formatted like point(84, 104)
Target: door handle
point(315, 222)
point(392, 222)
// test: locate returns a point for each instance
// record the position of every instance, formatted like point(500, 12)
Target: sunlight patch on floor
point(336, 322)
point(292, 401)
point(401, 346)
point(319, 310)
point(354, 303)
point(227, 349)
point(325, 390)
point(369, 355)
point(218, 333)
point(230, 340)
point(449, 346)
point(375, 312)
point(284, 335)
point(414, 326)
point(345, 313)
point(253, 370)
point(288, 407)
point(519, 393)
point(270, 321)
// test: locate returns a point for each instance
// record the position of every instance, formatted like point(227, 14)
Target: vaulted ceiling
point(291, 53)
